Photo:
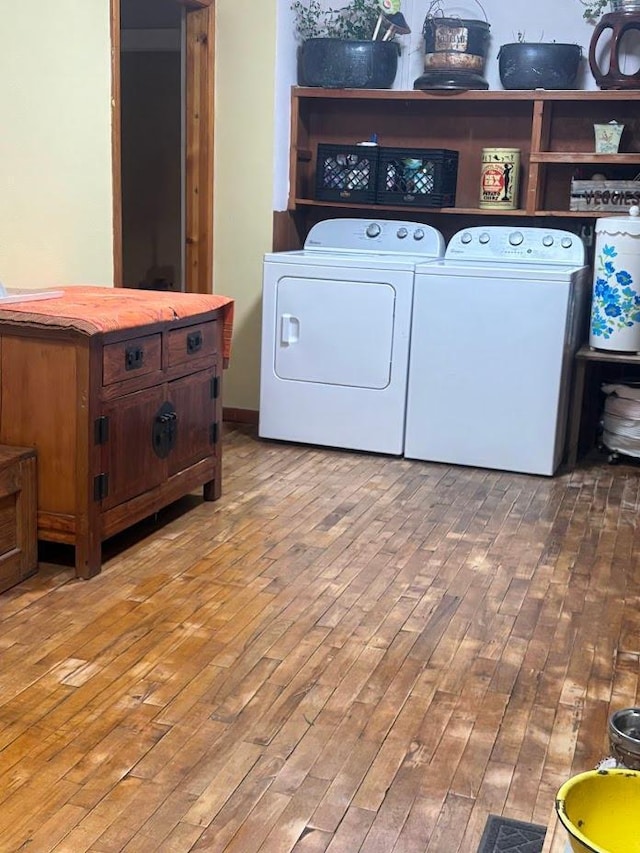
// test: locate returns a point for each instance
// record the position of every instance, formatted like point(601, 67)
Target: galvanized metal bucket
point(455, 51)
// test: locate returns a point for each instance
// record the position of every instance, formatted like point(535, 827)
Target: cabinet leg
point(212, 490)
point(88, 558)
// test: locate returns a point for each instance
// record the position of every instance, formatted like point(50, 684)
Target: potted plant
point(538, 65)
point(593, 9)
point(347, 47)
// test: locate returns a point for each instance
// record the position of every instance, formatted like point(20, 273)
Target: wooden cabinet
point(552, 129)
point(124, 421)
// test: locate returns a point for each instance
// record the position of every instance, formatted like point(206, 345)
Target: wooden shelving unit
point(552, 129)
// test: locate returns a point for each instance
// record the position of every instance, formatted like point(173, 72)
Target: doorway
point(162, 70)
point(151, 111)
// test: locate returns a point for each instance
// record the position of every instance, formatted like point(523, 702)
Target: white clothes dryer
point(336, 322)
point(496, 325)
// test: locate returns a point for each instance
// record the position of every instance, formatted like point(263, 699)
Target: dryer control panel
point(525, 245)
point(375, 235)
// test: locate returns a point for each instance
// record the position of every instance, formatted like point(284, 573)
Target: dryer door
point(334, 332)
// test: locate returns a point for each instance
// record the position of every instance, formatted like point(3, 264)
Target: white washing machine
point(496, 324)
point(336, 321)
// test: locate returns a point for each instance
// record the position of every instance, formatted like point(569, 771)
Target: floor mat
point(503, 835)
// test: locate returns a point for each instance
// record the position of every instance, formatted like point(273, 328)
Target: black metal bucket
point(455, 50)
point(539, 65)
point(343, 64)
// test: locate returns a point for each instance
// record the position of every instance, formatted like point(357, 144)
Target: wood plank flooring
point(345, 653)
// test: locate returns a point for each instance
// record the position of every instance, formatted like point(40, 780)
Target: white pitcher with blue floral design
point(615, 306)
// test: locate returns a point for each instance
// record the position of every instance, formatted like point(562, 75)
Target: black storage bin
point(347, 173)
point(421, 177)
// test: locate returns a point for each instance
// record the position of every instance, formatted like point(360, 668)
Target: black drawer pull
point(164, 430)
point(194, 342)
point(133, 358)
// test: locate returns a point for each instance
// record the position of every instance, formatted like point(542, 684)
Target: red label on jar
point(493, 180)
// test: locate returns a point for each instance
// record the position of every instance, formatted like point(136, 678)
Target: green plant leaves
point(356, 20)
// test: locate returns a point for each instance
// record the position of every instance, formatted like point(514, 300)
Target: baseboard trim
point(240, 416)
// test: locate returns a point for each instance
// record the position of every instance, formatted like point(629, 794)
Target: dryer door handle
point(289, 329)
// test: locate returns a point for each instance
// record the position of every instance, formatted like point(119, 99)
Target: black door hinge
point(215, 387)
point(101, 430)
point(213, 433)
point(100, 487)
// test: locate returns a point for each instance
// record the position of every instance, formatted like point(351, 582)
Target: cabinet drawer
point(192, 342)
point(131, 358)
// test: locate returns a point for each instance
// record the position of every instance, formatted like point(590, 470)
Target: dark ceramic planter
point(524, 65)
point(341, 64)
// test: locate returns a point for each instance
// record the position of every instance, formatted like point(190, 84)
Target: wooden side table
point(583, 358)
point(18, 501)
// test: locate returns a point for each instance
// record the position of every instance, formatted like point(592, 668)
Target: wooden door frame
point(199, 111)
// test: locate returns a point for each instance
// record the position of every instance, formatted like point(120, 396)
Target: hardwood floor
point(345, 653)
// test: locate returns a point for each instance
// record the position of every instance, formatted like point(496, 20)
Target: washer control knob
point(418, 234)
point(547, 240)
point(466, 238)
point(566, 242)
point(373, 230)
point(484, 238)
point(516, 238)
point(402, 233)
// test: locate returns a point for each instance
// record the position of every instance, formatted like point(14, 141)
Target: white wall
point(55, 156)
point(244, 177)
point(55, 144)
point(544, 20)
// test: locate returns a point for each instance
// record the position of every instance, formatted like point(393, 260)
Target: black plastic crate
point(422, 177)
point(346, 173)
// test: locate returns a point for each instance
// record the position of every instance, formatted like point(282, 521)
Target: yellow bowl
point(600, 809)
